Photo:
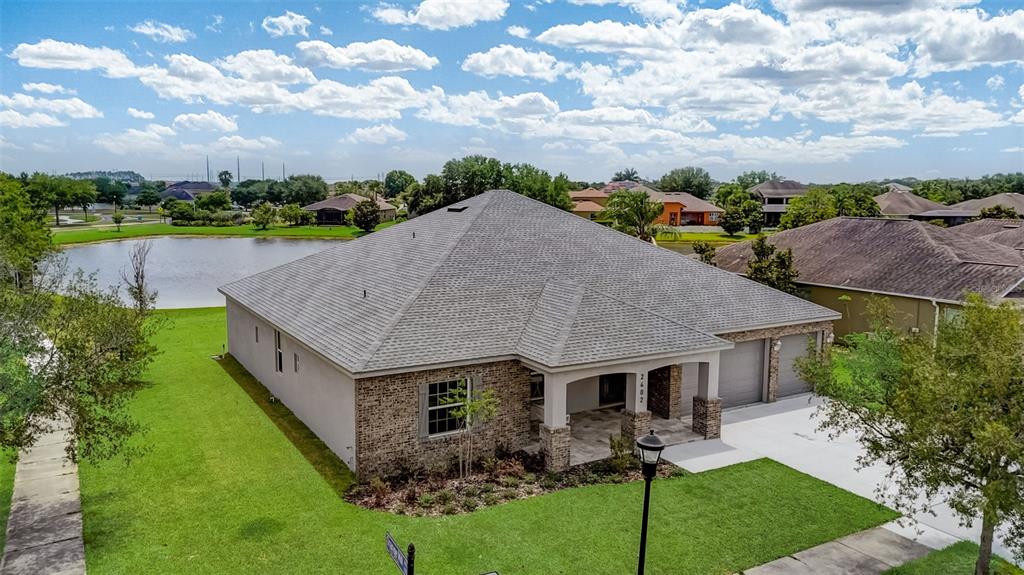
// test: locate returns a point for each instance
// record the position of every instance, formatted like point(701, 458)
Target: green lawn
point(7, 466)
point(957, 559)
point(78, 236)
point(710, 237)
point(225, 488)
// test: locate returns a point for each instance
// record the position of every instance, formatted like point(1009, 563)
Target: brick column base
point(554, 444)
point(707, 417)
point(665, 391)
point(635, 424)
point(773, 368)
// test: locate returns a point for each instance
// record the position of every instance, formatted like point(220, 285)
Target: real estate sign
point(405, 564)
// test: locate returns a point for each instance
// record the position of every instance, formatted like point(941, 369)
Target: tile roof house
point(922, 269)
point(680, 209)
point(331, 211)
point(557, 314)
point(903, 203)
point(775, 196)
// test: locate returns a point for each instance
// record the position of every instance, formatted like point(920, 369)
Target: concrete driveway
point(786, 431)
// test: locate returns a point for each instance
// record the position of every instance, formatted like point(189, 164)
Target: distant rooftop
point(779, 189)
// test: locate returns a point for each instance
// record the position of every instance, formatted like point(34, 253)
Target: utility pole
point(207, 169)
point(263, 170)
point(282, 172)
point(238, 170)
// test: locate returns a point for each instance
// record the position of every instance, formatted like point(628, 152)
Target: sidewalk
point(44, 530)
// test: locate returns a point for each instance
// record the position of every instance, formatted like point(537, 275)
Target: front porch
point(591, 430)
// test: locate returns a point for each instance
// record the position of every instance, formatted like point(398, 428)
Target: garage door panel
point(740, 370)
point(793, 347)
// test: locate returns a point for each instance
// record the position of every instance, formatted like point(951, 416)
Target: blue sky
point(815, 90)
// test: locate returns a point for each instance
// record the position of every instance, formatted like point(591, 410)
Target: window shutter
point(423, 391)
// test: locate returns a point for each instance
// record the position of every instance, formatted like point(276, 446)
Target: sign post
point(406, 563)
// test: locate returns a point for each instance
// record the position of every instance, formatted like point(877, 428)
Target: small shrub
point(380, 490)
point(489, 465)
point(510, 481)
point(487, 488)
point(529, 478)
point(469, 504)
point(470, 491)
point(677, 472)
point(444, 497)
point(548, 484)
point(449, 509)
point(411, 495)
point(622, 459)
point(511, 468)
point(491, 499)
point(425, 500)
point(508, 494)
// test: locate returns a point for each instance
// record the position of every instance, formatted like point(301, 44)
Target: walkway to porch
point(590, 431)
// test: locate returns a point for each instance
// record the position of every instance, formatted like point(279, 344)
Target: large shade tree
point(396, 181)
point(944, 411)
point(815, 206)
point(690, 180)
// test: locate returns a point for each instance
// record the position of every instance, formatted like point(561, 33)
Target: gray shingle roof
point(1015, 201)
point(507, 276)
point(779, 189)
point(345, 202)
point(904, 203)
point(892, 256)
point(1009, 233)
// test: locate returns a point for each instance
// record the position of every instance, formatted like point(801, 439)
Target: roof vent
point(457, 208)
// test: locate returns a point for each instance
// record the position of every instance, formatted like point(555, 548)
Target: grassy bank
point(7, 467)
point(710, 237)
point(79, 236)
point(232, 486)
point(957, 559)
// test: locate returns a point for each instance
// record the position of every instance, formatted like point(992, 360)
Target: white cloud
point(1014, 150)
point(442, 14)
point(379, 134)
point(965, 39)
point(995, 82)
point(136, 142)
point(379, 56)
point(471, 108)
point(506, 60)
point(57, 55)
point(215, 25)
point(325, 31)
point(287, 24)
point(45, 88)
point(71, 107)
point(15, 119)
point(209, 120)
point(141, 114)
point(235, 145)
point(266, 66)
point(163, 33)
point(518, 31)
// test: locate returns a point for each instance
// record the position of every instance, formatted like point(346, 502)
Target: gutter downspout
point(935, 325)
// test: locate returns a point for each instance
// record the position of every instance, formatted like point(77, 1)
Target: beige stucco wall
point(911, 313)
point(318, 394)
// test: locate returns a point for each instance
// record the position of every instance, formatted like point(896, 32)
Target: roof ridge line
point(643, 309)
point(400, 312)
point(569, 319)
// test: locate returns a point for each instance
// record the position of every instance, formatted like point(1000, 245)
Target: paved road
point(786, 431)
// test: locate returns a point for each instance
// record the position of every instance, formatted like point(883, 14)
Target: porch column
point(554, 432)
point(636, 420)
point(707, 406)
point(665, 391)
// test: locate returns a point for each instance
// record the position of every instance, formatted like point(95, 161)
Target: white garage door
point(739, 374)
point(793, 346)
point(691, 375)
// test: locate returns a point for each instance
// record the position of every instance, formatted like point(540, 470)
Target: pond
point(186, 272)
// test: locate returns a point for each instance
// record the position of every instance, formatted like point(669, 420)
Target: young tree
point(263, 216)
point(303, 190)
point(473, 407)
point(117, 218)
point(705, 251)
point(945, 411)
point(292, 214)
point(727, 192)
point(735, 218)
point(753, 215)
point(856, 200)
point(771, 267)
point(24, 236)
point(627, 175)
point(815, 206)
point(225, 178)
point(691, 180)
point(366, 215)
point(109, 191)
point(134, 278)
point(396, 181)
point(633, 212)
point(214, 201)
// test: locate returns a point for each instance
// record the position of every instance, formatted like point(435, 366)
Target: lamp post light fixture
point(648, 449)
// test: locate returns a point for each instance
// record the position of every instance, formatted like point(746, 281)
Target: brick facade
point(388, 432)
point(707, 417)
point(635, 424)
point(554, 445)
point(665, 391)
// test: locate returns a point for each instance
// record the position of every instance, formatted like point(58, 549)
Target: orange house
point(680, 209)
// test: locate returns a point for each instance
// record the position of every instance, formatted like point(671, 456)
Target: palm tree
point(225, 178)
point(634, 213)
point(627, 175)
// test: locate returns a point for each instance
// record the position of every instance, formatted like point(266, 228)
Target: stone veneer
point(555, 445)
point(774, 334)
point(635, 424)
point(707, 417)
point(388, 436)
point(665, 391)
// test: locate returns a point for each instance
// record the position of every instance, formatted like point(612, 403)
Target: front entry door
point(612, 389)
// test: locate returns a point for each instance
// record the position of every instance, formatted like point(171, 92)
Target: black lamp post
point(648, 449)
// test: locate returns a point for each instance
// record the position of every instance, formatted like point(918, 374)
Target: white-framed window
point(278, 354)
point(437, 412)
point(537, 386)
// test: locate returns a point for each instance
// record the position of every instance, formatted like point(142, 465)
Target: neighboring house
point(948, 216)
point(587, 209)
point(562, 318)
point(904, 203)
point(896, 187)
point(775, 196)
point(331, 211)
point(1013, 201)
point(921, 269)
point(187, 191)
point(681, 209)
point(1009, 233)
point(589, 195)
